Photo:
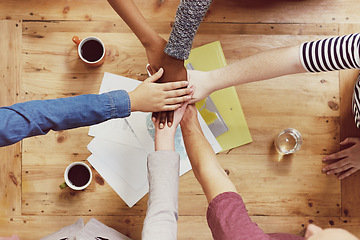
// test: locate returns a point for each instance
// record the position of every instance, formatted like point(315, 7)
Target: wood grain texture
point(350, 189)
point(281, 194)
point(10, 157)
point(246, 11)
point(36, 227)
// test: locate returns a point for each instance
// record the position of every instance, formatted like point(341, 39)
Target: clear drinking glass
point(288, 141)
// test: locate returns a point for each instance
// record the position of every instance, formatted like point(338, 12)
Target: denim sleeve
point(38, 117)
point(189, 15)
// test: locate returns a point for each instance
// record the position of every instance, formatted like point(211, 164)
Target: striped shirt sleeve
point(331, 54)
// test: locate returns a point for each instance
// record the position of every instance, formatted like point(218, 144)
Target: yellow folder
point(210, 57)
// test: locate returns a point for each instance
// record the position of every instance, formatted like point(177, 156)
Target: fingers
point(190, 113)
point(174, 85)
point(170, 118)
point(154, 116)
point(338, 169)
point(348, 173)
point(155, 76)
point(171, 107)
point(193, 101)
point(180, 92)
point(162, 119)
point(335, 156)
point(180, 111)
point(192, 109)
point(171, 101)
point(349, 141)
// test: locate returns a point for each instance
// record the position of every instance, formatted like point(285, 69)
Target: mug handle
point(63, 185)
point(76, 40)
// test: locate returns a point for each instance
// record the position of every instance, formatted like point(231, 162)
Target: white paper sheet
point(128, 162)
point(124, 190)
point(137, 120)
point(116, 130)
point(120, 147)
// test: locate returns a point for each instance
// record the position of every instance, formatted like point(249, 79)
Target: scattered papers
point(120, 147)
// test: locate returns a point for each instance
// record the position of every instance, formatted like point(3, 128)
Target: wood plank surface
point(310, 113)
point(281, 194)
point(35, 227)
point(10, 157)
point(350, 187)
point(246, 11)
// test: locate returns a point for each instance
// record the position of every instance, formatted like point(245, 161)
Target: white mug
point(91, 50)
point(77, 176)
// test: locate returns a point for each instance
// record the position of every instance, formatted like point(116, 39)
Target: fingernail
point(161, 126)
point(186, 83)
point(169, 124)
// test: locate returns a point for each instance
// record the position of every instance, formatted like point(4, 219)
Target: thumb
point(155, 77)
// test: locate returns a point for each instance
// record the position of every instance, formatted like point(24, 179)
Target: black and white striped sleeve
point(331, 54)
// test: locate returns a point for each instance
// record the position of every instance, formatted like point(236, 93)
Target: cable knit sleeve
point(189, 15)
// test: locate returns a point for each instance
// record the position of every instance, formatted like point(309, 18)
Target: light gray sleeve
point(162, 213)
point(189, 15)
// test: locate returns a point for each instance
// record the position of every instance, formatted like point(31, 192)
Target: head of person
point(314, 232)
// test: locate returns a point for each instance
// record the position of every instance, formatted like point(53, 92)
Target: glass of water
point(288, 141)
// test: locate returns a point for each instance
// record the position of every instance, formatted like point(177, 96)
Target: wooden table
point(39, 61)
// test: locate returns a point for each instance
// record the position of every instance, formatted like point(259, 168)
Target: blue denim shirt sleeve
point(38, 117)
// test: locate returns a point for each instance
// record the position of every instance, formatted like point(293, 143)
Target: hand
point(190, 122)
point(155, 54)
point(153, 97)
point(201, 83)
point(164, 137)
point(347, 161)
point(174, 70)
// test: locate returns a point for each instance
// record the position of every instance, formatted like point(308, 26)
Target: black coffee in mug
point(79, 175)
point(92, 50)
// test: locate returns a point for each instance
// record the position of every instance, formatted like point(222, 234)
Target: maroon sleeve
point(228, 219)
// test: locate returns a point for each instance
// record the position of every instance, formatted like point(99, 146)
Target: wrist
point(164, 139)
point(191, 127)
point(174, 61)
point(133, 106)
point(153, 41)
point(213, 82)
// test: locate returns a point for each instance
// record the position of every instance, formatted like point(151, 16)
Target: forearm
point(162, 213)
point(204, 163)
point(265, 65)
point(164, 139)
point(329, 54)
point(128, 11)
point(39, 117)
point(188, 17)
